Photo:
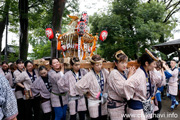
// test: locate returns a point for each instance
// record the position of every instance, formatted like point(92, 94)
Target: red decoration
point(103, 35)
point(89, 49)
point(81, 27)
point(85, 17)
point(76, 46)
point(63, 48)
point(49, 33)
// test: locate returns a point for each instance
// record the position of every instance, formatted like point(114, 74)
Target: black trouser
point(32, 106)
point(104, 117)
point(81, 115)
point(47, 116)
point(36, 108)
point(21, 108)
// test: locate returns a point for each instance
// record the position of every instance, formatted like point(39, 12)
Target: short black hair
point(12, 66)
point(4, 62)
point(50, 61)
point(146, 58)
point(74, 59)
point(27, 61)
point(19, 61)
point(42, 68)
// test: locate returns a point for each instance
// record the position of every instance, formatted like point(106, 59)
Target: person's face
point(20, 66)
point(173, 64)
point(150, 66)
point(121, 66)
point(43, 73)
point(97, 67)
point(55, 64)
point(4, 66)
point(76, 66)
point(29, 67)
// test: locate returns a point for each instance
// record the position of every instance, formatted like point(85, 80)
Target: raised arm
point(131, 84)
point(63, 83)
point(35, 87)
point(82, 85)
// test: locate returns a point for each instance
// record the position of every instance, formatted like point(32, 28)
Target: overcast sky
point(91, 6)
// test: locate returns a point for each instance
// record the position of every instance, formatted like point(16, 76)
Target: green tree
point(43, 16)
point(42, 50)
point(132, 26)
point(4, 12)
point(32, 17)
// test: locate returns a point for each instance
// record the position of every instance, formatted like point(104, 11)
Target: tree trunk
point(23, 41)
point(161, 39)
point(58, 10)
point(2, 26)
point(3, 23)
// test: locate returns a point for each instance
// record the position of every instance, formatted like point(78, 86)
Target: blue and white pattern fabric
point(8, 103)
point(100, 80)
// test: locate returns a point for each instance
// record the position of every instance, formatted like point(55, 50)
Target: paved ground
point(165, 114)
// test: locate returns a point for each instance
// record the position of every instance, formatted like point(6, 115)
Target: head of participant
point(96, 63)
point(75, 63)
point(159, 65)
point(121, 60)
point(12, 67)
point(29, 65)
point(5, 66)
point(148, 60)
point(55, 64)
point(173, 63)
point(20, 64)
point(43, 71)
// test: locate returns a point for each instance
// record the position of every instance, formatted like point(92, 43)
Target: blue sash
point(135, 104)
point(167, 74)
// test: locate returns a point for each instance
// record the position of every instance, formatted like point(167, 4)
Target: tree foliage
point(40, 14)
point(132, 26)
point(37, 36)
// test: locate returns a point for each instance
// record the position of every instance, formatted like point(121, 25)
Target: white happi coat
point(18, 93)
point(115, 91)
point(69, 82)
point(25, 79)
point(39, 87)
point(155, 106)
point(10, 79)
point(135, 88)
point(173, 82)
point(54, 77)
point(90, 84)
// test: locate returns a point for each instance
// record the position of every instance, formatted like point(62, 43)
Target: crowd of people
point(122, 93)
